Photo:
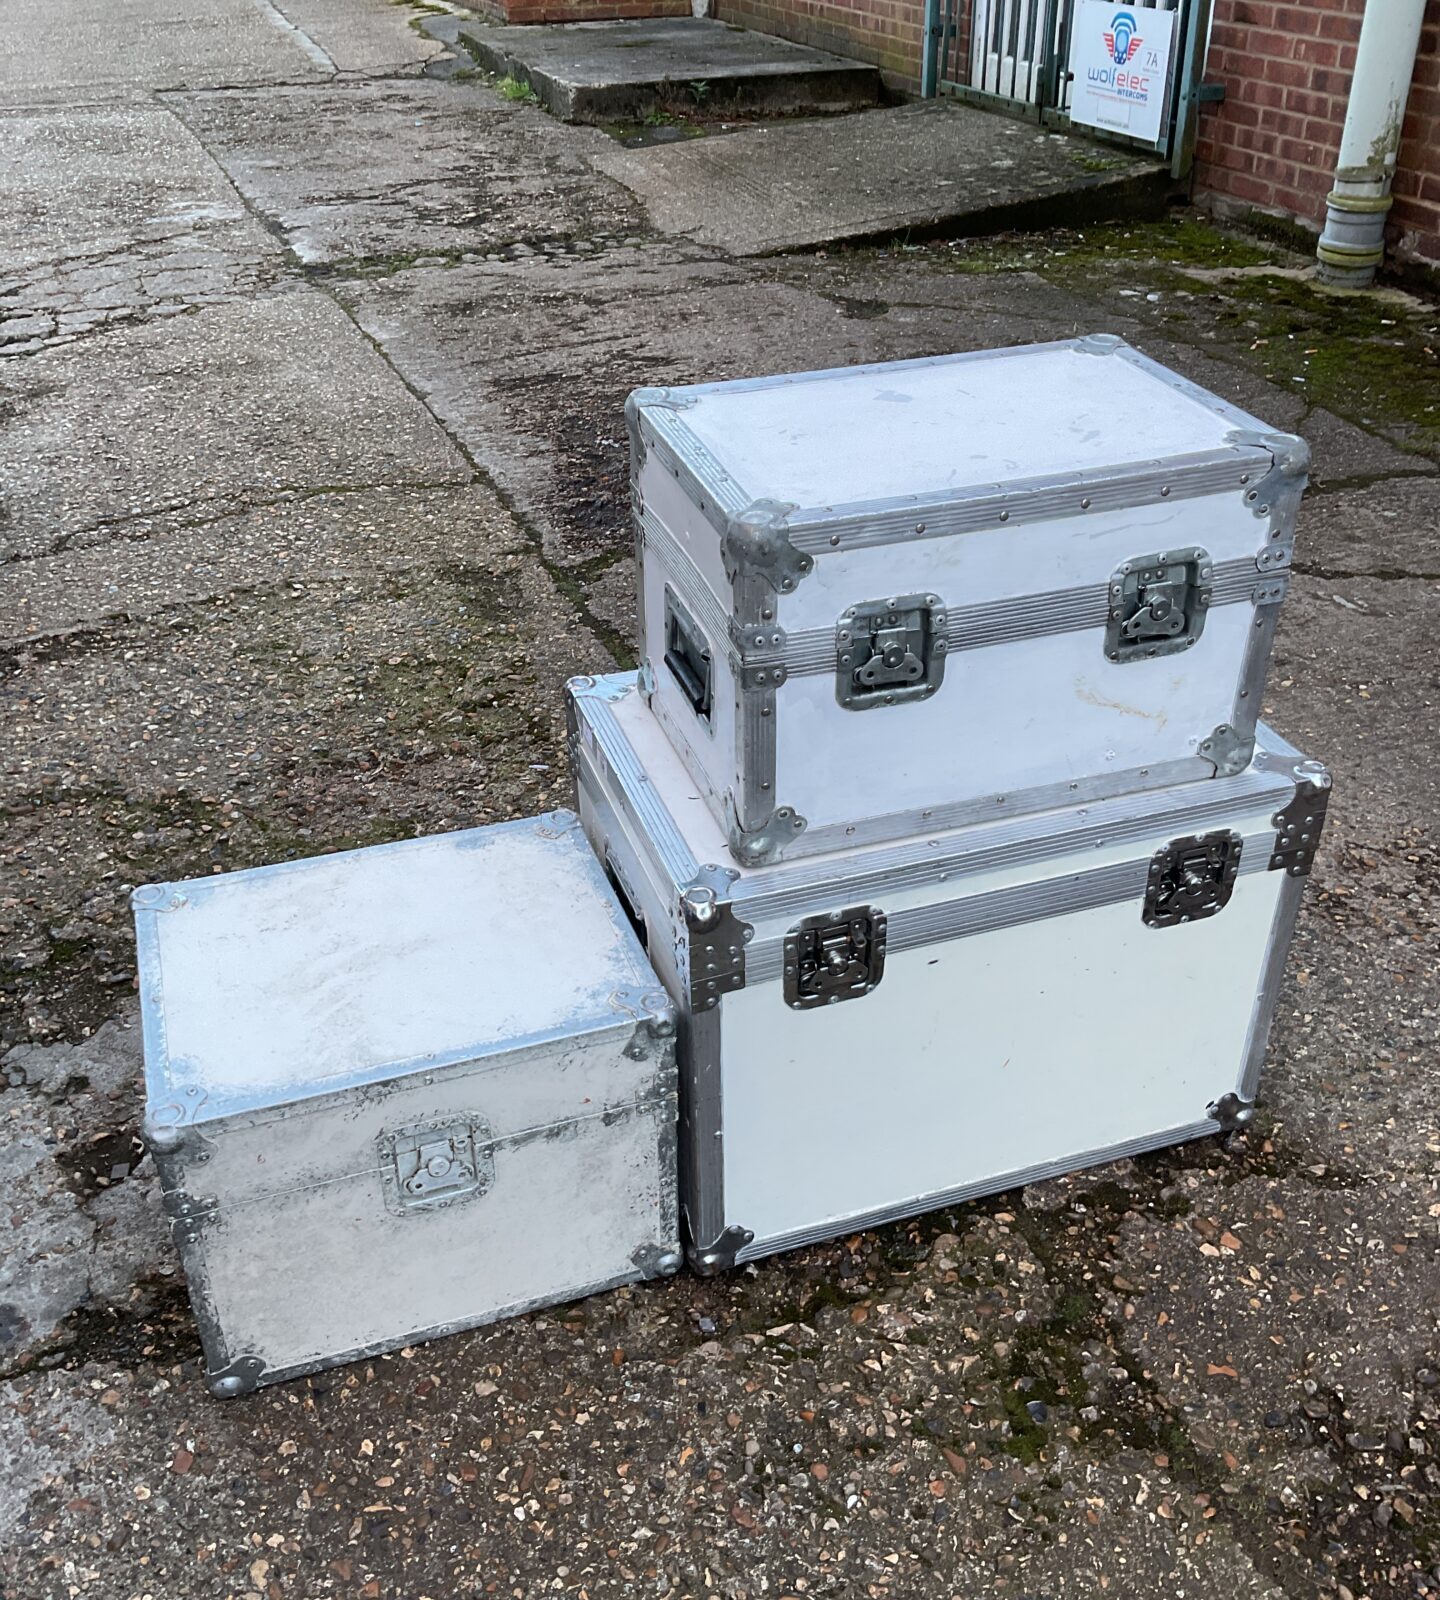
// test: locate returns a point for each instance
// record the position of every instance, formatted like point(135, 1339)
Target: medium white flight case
point(401, 1091)
point(896, 1027)
point(888, 599)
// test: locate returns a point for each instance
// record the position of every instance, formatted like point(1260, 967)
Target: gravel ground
point(312, 492)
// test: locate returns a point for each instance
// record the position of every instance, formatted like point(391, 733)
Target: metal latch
point(432, 1164)
point(890, 650)
point(1191, 878)
point(833, 957)
point(1157, 604)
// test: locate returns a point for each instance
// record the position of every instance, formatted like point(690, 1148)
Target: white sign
point(1120, 61)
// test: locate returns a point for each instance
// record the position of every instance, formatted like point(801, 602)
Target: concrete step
point(602, 72)
point(925, 169)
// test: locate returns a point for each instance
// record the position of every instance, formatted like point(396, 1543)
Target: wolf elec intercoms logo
point(1120, 69)
point(1116, 77)
point(1120, 38)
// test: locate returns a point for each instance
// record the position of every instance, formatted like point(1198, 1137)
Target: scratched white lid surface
point(861, 434)
point(287, 981)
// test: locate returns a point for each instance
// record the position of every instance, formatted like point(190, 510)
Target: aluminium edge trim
point(1267, 995)
point(821, 530)
point(1039, 800)
point(600, 729)
point(700, 1123)
point(910, 865)
point(632, 1110)
point(966, 916)
point(1021, 838)
point(208, 1111)
point(968, 627)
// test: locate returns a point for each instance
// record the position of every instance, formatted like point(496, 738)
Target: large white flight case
point(888, 599)
point(396, 1092)
point(900, 1026)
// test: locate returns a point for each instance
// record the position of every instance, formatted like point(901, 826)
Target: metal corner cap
point(164, 1138)
point(638, 399)
point(1313, 774)
point(1290, 453)
point(150, 896)
point(757, 540)
point(1101, 344)
point(241, 1377)
point(762, 516)
point(609, 686)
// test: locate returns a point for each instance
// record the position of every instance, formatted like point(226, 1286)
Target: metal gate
point(1013, 55)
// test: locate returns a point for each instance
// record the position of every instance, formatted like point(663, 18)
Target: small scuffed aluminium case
point(397, 1092)
point(889, 598)
point(896, 1027)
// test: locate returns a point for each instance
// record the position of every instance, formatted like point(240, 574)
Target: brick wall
point(886, 32)
point(1273, 142)
point(578, 10)
point(1415, 220)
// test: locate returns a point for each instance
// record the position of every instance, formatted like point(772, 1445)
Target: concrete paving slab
point(613, 71)
point(114, 212)
point(96, 181)
point(366, 36)
point(922, 168)
point(258, 397)
point(1278, 1390)
point(372, 171)
point(155, 564)
point(529, 362)
point(76, 50)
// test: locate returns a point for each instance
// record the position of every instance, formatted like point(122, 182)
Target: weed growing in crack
point(512, 88)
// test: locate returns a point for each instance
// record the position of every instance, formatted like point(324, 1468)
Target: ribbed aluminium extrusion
point(919, 926)
point(972, 627)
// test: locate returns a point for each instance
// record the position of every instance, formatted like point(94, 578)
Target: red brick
point(1332, 26)
point(1324, 81)
point(1296, 19)
point(1294, 74)
point(1309, 104)
point(1317, 52)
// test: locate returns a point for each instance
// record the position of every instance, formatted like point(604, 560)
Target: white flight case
point(897, 1027)
point(397, 1092)
point(887, 599)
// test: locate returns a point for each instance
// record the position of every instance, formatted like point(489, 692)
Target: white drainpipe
point(1353, 243)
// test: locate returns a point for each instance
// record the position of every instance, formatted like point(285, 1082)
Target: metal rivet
point(1085, 504)
point(1164, 491)
point(1004, 516)
point(834, 538)
point(919, 527)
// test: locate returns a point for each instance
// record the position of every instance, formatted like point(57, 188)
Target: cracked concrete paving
point(297, 559)
point(265, 394)
point(374, 171)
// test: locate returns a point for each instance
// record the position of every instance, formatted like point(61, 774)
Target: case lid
point(941, 426)
point(264, 987)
